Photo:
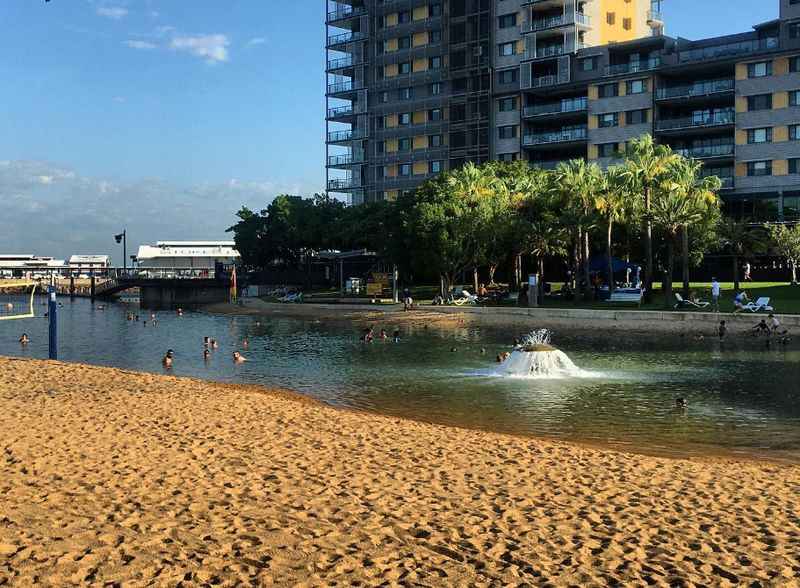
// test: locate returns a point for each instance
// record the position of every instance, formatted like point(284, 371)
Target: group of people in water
point(209, 344)
point(769, 328)
point(368, 336)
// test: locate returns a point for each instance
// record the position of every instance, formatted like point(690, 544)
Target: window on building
point(611, 18)
point(406, 93)
point(404, 43)
point(435, 167)
point(636, 117)
point(606, 149)
point(404, 118)
point(793, 165)
point(404, 144)
point(627, 24)
point(759, 135)
point(794, 30)
point(436, 88)
point(608, 90)
point(507, 49)
point(759, 168)
point(384, 97)
point(435, 114)
point(404, 169)
point(636, 87)
point(794, 132)
point(380, 147)
point(610, 119)
point(759, 70)
point(404, 68)
point(506, 21)
point(588, 64)
point(435, 37)
point(507, 132)
point(759, 102)
point(435, 141)
point(435, 62)
point(507, 157)
point(794, 98)
point(507, 76)
point(404, 16)
point(507, 104)
point(435, 10)
point(794, 64)
point(380, 122)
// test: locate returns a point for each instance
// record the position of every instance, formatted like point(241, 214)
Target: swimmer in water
point(369, 335)
point(396, 336)
point(238, 357)
point(206, 341)
point(214, 344)
point(245, 343)
point(206, 354)
point(24, 340)
point(167, 359)
point(681, 403)
point(180, 311)
point(383, 335)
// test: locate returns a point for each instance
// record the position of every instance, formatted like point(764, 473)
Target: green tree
point(645, 165)
point(740, 239)
point(785, 241)
point(613, 204)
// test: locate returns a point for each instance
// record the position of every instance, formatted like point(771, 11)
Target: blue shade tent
point(599, 264)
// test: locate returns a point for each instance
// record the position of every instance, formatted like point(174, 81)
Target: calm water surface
point(742, 401)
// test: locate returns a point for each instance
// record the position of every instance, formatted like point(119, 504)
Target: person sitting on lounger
point(740, 301)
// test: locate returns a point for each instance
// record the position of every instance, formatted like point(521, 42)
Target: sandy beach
point(117, 478)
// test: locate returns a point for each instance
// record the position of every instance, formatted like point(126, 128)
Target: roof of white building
point(29, 261)
point(187, 249)
point(87, 259)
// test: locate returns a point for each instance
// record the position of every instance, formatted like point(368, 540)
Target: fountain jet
point(536, 357)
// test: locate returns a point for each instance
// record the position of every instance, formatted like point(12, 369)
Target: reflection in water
point(738, 400)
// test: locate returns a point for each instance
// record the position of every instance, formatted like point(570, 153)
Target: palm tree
point(646, 163)
point(612, 203)
point(531, 201)
point(741, 239)
point(576, 183)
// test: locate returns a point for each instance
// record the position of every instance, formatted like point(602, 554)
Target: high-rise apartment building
point(419, 86)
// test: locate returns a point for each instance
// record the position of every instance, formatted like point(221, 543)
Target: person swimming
point(722, 330)
point(238, 357)
point(245, 343)
point(166, 361)
point(180, 311)
point(382, 335)
point(24, 340)
point(206, 354)
point(396, 336)
point(214, 344)
point(206, 341)
point(369, 335)
point(681, 403)
point(501, 357)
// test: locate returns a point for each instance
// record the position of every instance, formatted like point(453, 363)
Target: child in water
point(24, 340)
point(167, 359)
point(238, 358)
point(396, 336)
point(206, 354)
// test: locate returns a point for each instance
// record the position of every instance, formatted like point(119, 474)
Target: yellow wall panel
point(741, 71)
point(622, 88)
point(419, 117)
point(420, 142)
point(421, 12)
point(621, 119)
point(391, 121)
point(520, 47)
point(391, 171)
point(780, 66)
point(740, 170)
point(594, 93)
point(780, 134)
point(741, 137)
point(780, 167)
point(391, 45)
point(420, 168)
point(780, 100)
point(593, 152)
point(420, 39)
point(420, 64)
point(391, 20)
point(391, 145)
point(390, 70)
point(741, 104)
point(391, 195)
point(593, 121)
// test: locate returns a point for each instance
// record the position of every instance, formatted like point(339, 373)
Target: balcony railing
point(550, 22)
point(729, 49)
point(726, 117)
point(583, 19)
point(345, 135)
point(347, 86)
point(345, 11)
point(573, 105)
point(707, 151)
point(341, 184)
point(546, 51)
point(551, 164)
point(654, 16)
point(348, 37)
point(705, 88)
point(633, 67)
point(562, 136)
point(338, 111)
point(347, 159)
point(341, 62)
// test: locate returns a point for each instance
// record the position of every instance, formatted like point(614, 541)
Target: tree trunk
point(685, 259)
point(576, 259)
point(475, 280)
point(588, 295)
point(648, 247)
point(668, 302)
point(541, 278)
point(794, 273)
point(492, 270)
point(610, 261)
point(736, 274)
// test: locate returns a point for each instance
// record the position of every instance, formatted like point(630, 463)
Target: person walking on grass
point(747, 276)
point(715, 292)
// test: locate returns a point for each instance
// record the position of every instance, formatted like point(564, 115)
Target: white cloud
point(140, 44)
point(113, 12)
point(150, 209)
point(212, 48)
point(256, 41)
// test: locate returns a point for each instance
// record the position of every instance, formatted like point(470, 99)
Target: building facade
point(204, 255)
point(416, 87)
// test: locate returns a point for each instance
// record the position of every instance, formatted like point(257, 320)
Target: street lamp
point(123, 238)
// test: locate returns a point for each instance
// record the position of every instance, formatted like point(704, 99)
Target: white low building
point(87, 263)
point(187, 254)
point(29, 266)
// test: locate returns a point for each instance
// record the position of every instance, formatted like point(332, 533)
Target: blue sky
point(185, 101)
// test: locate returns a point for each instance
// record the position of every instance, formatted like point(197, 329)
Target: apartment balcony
point(729, 49)
point(718, 119)
point(654, 18)
point(548, 165)
point(550, 109)
point(344, 87)
point(342, 185)
point(727, 182)
point(696, 90)
point(549, 80)
point(341, 112)
point(346, 135)
point(346, 62)
point(562, 136)
point(345, 160)
point(546, 51)
point(633, 67)
point(344, 38)
point(345, 12)
point(554, 22)
point(710, 152)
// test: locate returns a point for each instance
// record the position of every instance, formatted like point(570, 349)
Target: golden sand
point(112, 477)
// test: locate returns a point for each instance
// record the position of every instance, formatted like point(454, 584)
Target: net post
point(52, 315)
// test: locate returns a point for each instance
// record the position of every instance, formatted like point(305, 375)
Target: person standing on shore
point(747, 276)
point(715, 292)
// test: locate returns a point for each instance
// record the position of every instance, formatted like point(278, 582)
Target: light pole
point(123, 238)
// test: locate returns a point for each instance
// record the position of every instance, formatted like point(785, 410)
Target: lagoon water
point(743, 400)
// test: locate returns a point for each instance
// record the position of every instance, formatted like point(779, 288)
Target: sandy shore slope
point(112, 477)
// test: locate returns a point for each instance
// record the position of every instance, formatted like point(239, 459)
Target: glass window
point(379, 147)
point(404, 17)
point(636, 117)
point(436, 88)
point(384, 97)
point(507, 49)
point(435, 167)
point(435, 10)
point(610, 119)
point(406, 93)
point(759, 135)
point(507, 104)
point(435, 62)
point(588, 64)
point(794, 98)
point(794, 29)
point(508, 76)
point(435, 114)
point(435, 141)
point(637, 87)
point(404, 68)
point(791, 208)
point(793, 163)
point(759, 102)
point(507, 21)
point(404, 169)
point(759, 168)
point(608, 90)
point(507, 157)
point(794, 132)
point(404, 144)
point(404, 118)
point(607, 150)
point(507, 132)
point(759, 70)
point(794, 64)
point(435, 37)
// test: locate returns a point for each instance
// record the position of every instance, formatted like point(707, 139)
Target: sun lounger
point(759, 304)
point(632, 295)
point(682, 302)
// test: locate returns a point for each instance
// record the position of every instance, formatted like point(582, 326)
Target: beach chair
point(760, 304)
point(683, 303)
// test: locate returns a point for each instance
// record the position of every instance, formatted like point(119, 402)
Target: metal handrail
point(726, 49)
point(719, 118)
point(622, 68)
point(555, 137)
point(703, 88)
